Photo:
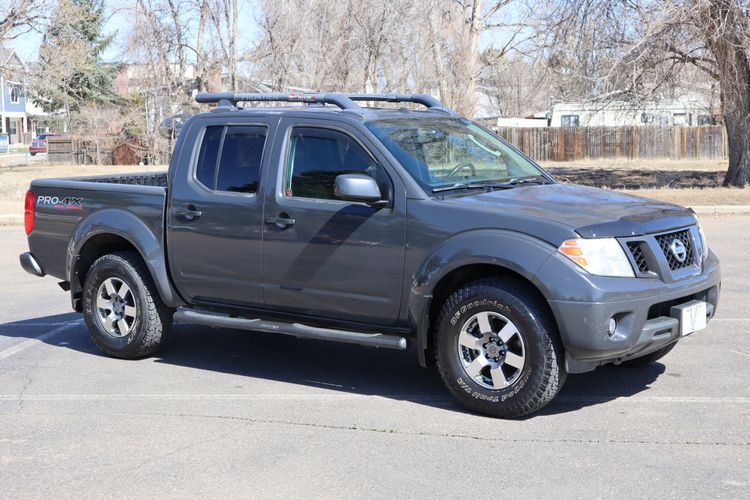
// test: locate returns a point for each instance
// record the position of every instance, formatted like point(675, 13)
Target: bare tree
point(725, 25)
point(199, 49)
point(224, 16)
point(18, 17)
point(640, 49)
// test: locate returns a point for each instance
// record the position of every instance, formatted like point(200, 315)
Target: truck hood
point(591, 212)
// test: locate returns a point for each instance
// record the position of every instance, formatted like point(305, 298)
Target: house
point(13, 97)
point(619, 114)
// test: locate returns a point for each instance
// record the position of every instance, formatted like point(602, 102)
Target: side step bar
point(195, 317)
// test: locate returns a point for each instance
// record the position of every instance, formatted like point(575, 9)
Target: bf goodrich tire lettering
point(122, 308)
point(510, 366)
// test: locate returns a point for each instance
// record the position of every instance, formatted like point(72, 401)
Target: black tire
point(32, 154)
point(152, 319)
point(648, 358)
point(543, 372)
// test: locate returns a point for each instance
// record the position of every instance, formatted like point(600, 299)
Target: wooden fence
point(74, 151)
point(577, 143)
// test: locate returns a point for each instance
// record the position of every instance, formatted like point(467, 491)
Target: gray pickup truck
point(382, 227)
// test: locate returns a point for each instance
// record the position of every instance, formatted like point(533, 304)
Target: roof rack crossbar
point(232, 98)
point(424, 99)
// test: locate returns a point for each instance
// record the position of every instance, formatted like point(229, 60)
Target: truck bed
point(158, 179)
point(63, 205)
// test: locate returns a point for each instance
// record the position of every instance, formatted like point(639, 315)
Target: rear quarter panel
point(68, 212)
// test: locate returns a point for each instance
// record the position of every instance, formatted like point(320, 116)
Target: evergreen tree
point(71, 74)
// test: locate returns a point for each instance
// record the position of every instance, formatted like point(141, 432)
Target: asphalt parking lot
point(229, 413)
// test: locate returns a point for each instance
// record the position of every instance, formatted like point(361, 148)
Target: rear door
point(215, 212)
point(337, 259)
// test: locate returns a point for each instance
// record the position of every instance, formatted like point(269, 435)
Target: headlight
point(600, 256)
point(704, 243)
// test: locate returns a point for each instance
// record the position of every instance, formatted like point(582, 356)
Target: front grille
point(637, 253)
point(665, 308)
point(665, 242)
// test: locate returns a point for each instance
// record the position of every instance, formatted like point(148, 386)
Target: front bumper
point(641, 308)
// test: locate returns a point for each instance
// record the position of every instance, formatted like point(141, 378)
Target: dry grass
point(14, 181)
point(625, 164)
point(696, 197)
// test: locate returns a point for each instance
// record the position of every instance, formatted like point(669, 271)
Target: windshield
point(440, 152)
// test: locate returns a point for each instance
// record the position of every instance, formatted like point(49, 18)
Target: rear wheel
point(497, 349)
point(122, 308)
point(648, 358)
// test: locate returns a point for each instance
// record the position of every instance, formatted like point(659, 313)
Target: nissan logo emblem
point(678, 249)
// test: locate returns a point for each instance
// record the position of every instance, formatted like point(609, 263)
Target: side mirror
point(358, 187)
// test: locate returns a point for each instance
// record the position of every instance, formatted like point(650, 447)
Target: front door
point(323, 256)
point(215, 213)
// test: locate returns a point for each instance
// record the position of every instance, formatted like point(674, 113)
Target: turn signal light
point(572, 250)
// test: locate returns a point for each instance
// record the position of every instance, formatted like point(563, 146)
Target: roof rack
point(343, 101)
point(232, 98)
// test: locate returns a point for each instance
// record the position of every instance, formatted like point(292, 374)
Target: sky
point(118, 17)
point(119, 12)
point(27, 45)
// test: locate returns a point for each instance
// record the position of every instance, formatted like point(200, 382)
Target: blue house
point(13, 120)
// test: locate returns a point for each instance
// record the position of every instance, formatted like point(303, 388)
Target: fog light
point(611, 326)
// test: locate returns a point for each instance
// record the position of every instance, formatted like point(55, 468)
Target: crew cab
point(382, 227)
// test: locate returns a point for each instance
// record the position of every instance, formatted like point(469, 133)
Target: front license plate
point(692, 316)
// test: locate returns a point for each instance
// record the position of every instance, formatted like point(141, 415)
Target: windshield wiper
point(511, 183)
point(491, 184)
point(461, 185)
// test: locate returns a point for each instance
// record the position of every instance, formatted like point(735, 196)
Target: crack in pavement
point(444, 434)
point(24, 388)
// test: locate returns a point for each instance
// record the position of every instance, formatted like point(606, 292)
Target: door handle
point(282, 221)
point(189, 214)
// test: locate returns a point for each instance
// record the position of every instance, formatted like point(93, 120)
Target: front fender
point(126, 225)
point(518, 252)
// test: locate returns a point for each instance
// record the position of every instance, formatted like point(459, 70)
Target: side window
point(239, 166)
point(236, 167)
point(317, 156)
point(205, 169)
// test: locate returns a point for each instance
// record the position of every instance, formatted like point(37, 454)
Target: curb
point(11, 220)
point(721, 209)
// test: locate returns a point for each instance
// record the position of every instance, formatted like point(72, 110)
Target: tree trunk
point(179, 38)
point(230, 19)
point(724, 31)
point(199, 50)
point(738, 134)
point(474, 26)
point(437, 52)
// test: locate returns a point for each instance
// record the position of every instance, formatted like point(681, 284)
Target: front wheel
point(498, 351)
point(122, 308)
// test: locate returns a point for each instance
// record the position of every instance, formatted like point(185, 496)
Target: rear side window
point(230, 158)
point(205, 170)
point(239, 166)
